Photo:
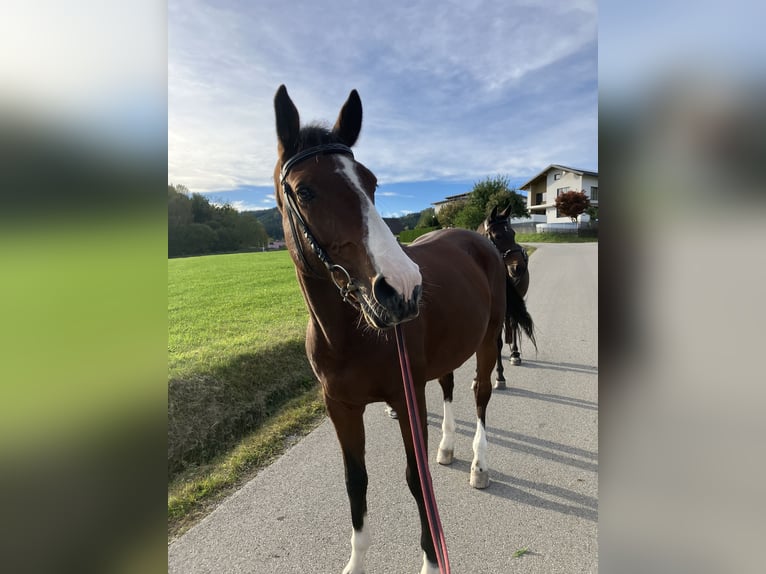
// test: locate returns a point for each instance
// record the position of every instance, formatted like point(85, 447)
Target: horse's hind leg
point(349, 426)
point(430, 565)
point(446, 451)
point(500, 378)
point(482, 388)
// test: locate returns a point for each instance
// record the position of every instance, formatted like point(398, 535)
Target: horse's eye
point(305, 194)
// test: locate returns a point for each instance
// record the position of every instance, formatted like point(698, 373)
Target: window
point(556, 176)
point(538, 199)
point(561, 190)
point(594, 193)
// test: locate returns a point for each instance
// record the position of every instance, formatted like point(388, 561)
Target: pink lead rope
point(421, 457)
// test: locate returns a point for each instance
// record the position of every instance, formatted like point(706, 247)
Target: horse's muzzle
point(391, 306)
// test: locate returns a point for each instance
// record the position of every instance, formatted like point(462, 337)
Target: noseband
point(340, 277)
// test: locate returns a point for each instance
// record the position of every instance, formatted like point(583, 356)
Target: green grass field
point(235, 349)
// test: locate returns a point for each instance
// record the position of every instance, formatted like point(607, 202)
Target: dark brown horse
point(497, 228)
point(358, 282)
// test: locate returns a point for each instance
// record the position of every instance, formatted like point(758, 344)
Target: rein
point(421, 456)
point(346, 285)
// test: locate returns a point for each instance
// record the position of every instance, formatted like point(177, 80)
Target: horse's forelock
point(314, 135)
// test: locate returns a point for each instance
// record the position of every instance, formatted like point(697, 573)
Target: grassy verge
point(553, 238)
point(193, 493)
point(236, 350)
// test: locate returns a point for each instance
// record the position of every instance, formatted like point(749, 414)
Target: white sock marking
point(360, 542)
point(428, 568)
point(448, 428)
point(480, 449)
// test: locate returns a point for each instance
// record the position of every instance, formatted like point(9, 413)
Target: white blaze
point(401, 272)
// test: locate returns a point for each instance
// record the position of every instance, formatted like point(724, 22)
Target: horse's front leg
point(430, 565)
point(482, 388)
point(349, 426)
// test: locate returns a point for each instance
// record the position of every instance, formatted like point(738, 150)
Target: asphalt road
point(293, 518)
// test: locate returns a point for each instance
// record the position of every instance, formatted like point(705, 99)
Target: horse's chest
point(352, 371)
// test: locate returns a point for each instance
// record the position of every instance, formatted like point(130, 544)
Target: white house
point(554, 180)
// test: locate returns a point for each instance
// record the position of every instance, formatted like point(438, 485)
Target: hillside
point(272, 222)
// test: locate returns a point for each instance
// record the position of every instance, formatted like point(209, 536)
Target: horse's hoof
point(515, 360)
point(499, 385)
point(480, 479)
point(444, 456)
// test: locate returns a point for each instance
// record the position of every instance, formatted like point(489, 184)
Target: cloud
point(450, 90)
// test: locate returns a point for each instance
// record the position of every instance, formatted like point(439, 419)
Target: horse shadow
point(526, 491)
point(567, 367)
point(533, 493)
point(549, 450)
point(551, 398)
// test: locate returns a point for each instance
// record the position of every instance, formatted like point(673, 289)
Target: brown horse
point(497, 228)
point(358, 282)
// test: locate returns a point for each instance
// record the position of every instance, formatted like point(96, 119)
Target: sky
point(452, 92)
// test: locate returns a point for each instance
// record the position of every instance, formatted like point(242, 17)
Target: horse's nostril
point(383, 292)
point(399, 308)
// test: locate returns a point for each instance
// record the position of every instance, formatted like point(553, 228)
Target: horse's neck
point(327, 310)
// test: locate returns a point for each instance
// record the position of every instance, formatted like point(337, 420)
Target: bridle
point(507, 252)
point(340, 277)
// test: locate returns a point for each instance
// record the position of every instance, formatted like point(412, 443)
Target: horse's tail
point(516, 309)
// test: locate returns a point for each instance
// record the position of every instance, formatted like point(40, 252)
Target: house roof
point(561, 167)
point(451, 198)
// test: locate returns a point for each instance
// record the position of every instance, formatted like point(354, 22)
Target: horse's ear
point(288, 122)
point(349, 122)
point(493, 214)
point(506, 212)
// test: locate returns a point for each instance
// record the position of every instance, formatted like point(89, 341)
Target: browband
point(310, 152)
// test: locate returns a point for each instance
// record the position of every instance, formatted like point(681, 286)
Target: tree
point(448, 212)
point(516, 201)
point(194, 239)
point(179, 206)
point(470, 217)
point(497, 192)
point(202, 211)
point(252, 234)
point(195, 226)
point(486, 194)
point(572, 203)
point(271, 220)
point(410, 220)
point(427, 218)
